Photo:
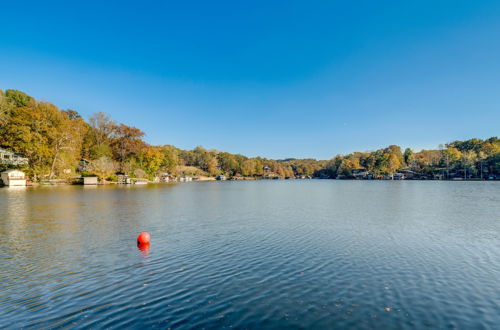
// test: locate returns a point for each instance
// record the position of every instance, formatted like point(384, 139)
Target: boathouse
point(90, 180)
point(165, 177)
point(14, 177)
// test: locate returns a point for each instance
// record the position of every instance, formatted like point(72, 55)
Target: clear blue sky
point(271, 78)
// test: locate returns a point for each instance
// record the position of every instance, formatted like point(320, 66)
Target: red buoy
point(143, 238)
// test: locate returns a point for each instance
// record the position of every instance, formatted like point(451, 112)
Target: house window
point(6, 156)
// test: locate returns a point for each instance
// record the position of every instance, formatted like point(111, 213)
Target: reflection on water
point(144, 248)
point(291, 254)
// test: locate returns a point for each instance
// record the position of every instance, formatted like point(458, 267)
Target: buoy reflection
point(144, 248)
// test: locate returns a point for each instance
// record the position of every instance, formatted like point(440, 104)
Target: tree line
point(57, 142)
point(474, 158)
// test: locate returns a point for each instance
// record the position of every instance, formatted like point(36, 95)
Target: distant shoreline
point(46, 184)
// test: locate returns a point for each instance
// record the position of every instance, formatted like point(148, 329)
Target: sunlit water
point(288, 254)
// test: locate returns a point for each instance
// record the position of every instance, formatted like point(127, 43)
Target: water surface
point(289, 254)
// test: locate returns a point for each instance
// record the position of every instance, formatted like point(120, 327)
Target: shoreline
point(110, 183)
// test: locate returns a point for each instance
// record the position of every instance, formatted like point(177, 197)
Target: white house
point(14, 178)
point(8, 157)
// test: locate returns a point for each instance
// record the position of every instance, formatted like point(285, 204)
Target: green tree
point(150, 160)
point(408, 157)
point(6, 107)
point(228, 163)
point(170, 158)
point(18, 98)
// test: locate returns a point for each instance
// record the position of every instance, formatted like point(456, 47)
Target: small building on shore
point(14, 178)
point(165, 177)
point(90, 180)
point(360, 173)
point(123, 178)
point(398, 176)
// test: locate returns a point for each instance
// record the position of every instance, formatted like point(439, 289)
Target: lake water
point(316, 254)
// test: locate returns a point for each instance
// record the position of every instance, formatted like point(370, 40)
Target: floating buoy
point(143, 238)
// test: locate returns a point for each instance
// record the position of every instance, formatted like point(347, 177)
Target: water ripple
point(309, 254)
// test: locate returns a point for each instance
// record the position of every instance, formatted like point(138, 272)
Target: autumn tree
point(100, 136)
point(126, 142)
point(150, 160)
point(66, 136)
point(228, 163)
point(206, 160)
point(451, 156)
point(248, 167)
point(103, 167)
point(28, 131)
point(170, 159)
point(6, 107)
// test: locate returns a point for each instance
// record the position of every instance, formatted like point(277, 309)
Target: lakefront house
point(362, 174)
point(8, 157)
